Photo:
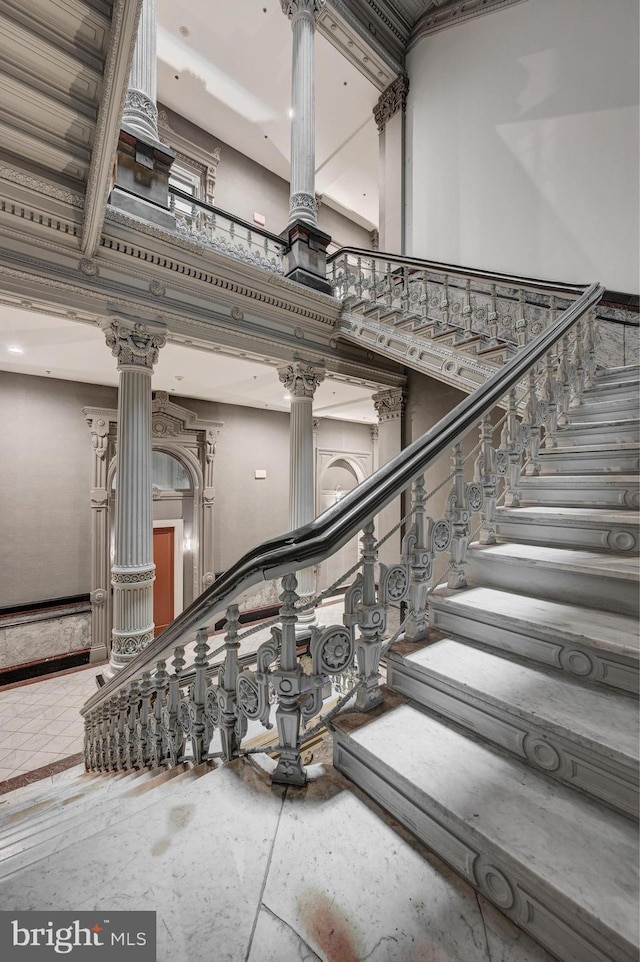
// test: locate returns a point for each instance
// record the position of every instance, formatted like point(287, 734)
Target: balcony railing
point(226, 233)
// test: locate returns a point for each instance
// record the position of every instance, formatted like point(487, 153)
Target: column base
point(305, 258)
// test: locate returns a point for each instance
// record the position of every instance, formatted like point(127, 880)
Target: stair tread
point(588, 480)
point(574, 623)
point(574, 559)
point(579, 847)
point(571, 515)
point(589, 716)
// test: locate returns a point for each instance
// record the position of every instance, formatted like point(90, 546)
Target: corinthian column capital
point(294, 8)
point(300, 379)
point(133, 345)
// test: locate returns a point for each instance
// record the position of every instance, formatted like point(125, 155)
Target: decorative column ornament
point(132, 573)
point(302, 201)
point(140, 110)
point(389, 114)
point(391, 100)
point(301, 380)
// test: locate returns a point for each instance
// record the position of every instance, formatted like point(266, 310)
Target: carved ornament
point(134, 345)
point(389, 405)
point(391, 100)
point(297, 8)
point(301, 380)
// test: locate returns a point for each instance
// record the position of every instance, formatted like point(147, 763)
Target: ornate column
point(99, 423)
point(306, 257)
point(143, 162)
point(389, 406)
point(132, 572)
point(389, 113)
point(301, 380)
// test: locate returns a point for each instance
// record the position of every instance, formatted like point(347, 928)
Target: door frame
point(178, 561)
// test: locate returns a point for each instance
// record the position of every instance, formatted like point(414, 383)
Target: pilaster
point(389, 407)
point(100, 422)
point(389, 113)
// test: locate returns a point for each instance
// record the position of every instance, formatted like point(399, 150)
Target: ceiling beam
point(124, 25)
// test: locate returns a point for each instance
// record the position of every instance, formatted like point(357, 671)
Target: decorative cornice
point(133, 345)
point(301, 379)
point(393, 99)
point(346, 32)
point(15, 176)
point(452, 13)
point(389, 404)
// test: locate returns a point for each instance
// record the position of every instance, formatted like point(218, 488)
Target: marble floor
point(40, 721)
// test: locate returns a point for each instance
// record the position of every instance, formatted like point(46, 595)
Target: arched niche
point(337, 473)
point(188, 442)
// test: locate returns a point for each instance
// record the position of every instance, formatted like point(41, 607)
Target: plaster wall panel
point(522, 134)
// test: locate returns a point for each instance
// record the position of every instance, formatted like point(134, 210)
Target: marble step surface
point(560, 865)
point(595, 646)
point(607, 409)
point(570, 575)
point(590, 528)
point(581, 735)
point(73, 819)
point(597, 432)
point(610, 458)
point(618, 375)
point(43, 788)
point(582, 490)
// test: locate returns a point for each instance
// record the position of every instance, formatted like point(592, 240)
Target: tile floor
point(40, 721)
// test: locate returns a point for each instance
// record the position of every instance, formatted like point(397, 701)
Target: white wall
point(522, 142)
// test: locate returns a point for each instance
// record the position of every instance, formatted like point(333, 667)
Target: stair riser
point(551, 752)
point(597, 433)
point(567, 587)
point(563, 461)
point(618, 539)
point(513, 887)
point(618, 375)
point(599, 494)
point(576, 660)
point(605, 411)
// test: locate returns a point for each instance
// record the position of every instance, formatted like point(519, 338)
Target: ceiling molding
point(452, 13)
point(341, 25)
point(124, 25)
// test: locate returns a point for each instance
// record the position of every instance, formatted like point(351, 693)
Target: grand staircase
point(506, 742)
point(513, 753)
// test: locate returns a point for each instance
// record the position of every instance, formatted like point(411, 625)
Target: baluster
point(372, 620)
point(551, 389)
point(91, 740)
point(133, 700)
point(287, 681)
point(578, 363)
point(113, 734)
point(87, 742)
point(198, 696)
point(591, 345)
point(467, 316)
point(359, 278)
point(233, 724)
point(522, 332)
point(265, 248)
point(492, 316)
point(534, 419)
point(103, 718)
point(142, 746)
point(158, 744)
point(172, 203)
point(514, 447)
point(485, 474)
point(389, 288)
point(249, 235)
point(214, 224)
point(123, 707)
point(172, 729)
point(564, 381)
point(373, 293)
point(416, 554)
point(457, 515)
point(424, 297)
point(444, 304)
point(405, 301)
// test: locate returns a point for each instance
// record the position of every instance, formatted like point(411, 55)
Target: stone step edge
point(504, 880)
point(593, 768)
point(519, 557)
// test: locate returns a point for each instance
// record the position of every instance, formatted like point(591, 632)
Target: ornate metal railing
point(159, 711)
point(437, 300)
point(226, 233)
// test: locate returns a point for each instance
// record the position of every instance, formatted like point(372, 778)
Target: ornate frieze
point(389, 404)
point(134, 345)
point(391, 100)
point(301, 380)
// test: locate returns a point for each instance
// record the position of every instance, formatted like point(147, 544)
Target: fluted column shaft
point(302, 203)
point(301, 381)
point(132, 572)
point(140, 110)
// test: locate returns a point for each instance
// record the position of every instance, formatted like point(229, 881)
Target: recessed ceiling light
point(184, 31)
point(16, 350)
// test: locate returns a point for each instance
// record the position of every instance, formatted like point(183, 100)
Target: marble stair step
point(591, 528)
point(592, 579)
point(582, 490)
point(560, 865)
point(583, 736)
point(618, 375)
point(15, 809)
point(585, 643)
point(598, 432)
point(78, 822)
point(42, 788)
point(609, 409)
point(611, 458)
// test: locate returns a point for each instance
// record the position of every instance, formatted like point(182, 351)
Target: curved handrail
point(314, 542)
point(438, 267)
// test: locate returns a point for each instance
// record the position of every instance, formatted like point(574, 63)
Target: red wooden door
point(163, 598)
